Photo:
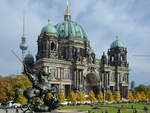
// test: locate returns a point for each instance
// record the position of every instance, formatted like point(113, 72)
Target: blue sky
point(102, 20)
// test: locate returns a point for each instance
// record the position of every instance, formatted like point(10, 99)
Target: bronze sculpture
point(40, 88)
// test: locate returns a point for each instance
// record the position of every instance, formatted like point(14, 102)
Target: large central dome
point(70, 29)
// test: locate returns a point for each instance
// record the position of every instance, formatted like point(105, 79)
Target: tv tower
point(23, 45)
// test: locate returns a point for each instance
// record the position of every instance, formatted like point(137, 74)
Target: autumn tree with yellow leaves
point(49, 95)
point(109, 96)
point(137, 96)
point(5, 83)
point(91, 96)
point(36, 99)
point(80, 96)
point(130, 95)
point(100, 96)
point(72, 97)
point(117, 96)
point(19, 82)
point(60, 96)
point(148, 95)
point(142, 95)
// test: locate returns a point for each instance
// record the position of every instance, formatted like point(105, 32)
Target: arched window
point(67, 75)
point(112, 58)
point(67, 53)
point(53, 74)
point(52, 46)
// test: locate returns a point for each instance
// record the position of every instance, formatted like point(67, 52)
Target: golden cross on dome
point(67, 1)
point(49, 20)
point(67, 11)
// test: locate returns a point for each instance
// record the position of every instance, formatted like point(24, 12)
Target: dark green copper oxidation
point(40, 88)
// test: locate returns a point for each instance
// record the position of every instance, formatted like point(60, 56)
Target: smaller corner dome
point(29, 57)
point(117, 43)
point(49, 29)
point(90, 51)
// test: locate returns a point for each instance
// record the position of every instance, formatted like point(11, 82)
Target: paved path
point(10, 111)
point(59, 111)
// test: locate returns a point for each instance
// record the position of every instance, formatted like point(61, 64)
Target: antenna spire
point(23, 25)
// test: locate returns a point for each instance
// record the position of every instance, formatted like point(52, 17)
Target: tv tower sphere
point(23, 44)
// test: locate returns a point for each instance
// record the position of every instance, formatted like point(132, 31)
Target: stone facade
point(73, 65)
point(66, 53)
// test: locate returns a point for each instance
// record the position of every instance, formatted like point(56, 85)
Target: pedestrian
point(17, 111)
point(119, 111)
point(6, 110)
point(134, 111)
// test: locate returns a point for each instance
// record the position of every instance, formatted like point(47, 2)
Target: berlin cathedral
point(65, 51)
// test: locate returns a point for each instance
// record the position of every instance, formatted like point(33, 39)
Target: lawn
point(137, 106)
point(109, 108)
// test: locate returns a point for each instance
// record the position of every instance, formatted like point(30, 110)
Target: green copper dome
point(90, 51)
point(49, 29)
point(28, 57)
point(70, 29)
point(117, 43)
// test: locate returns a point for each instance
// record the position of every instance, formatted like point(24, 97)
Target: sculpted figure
point(40, 82)
point(40, 88)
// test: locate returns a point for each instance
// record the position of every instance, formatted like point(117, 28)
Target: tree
point(71, 97)
point(19, 82)
point(141, 88)
point(109, 96)
point(117, 96)
point(100, 97)
point(49, 96)
point(148, 95)
point(37, 99)
point(130, 95)
point(61, 96)
point(91, 96)
point(5, 83)
point(137, 96)
point(143, 96)
point(80, 96)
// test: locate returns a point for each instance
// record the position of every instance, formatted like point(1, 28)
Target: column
point(102, 82)
point(80, 77)
point(60, 79)
point(46, 69)
point(57, 72)
point(77, 79)
point(108, 78)
point(70, 53)
point(47, 48)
